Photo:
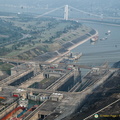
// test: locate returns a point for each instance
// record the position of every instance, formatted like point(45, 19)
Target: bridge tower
point(66, 12)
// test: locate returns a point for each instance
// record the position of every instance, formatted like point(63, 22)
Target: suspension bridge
point(69, 14)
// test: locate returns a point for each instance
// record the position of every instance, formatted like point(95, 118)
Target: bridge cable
point(49, 12)
point(84, 12)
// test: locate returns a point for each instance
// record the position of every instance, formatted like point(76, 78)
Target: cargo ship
point(93, 39)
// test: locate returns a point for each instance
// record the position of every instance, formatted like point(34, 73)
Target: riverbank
point(74, 46)
point(55, 59)
point(102, 23)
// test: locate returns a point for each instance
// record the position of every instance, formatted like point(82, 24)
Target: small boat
point(102, 38)
point(108, 32)
point(92, 43)
point(105, 37)
point(93, 39)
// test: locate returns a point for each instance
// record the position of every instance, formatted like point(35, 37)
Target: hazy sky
point(60, 2)
point(14, 5)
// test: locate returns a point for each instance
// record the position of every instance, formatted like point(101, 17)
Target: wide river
point(97, 53)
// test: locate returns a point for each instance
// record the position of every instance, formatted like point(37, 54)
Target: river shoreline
point(102, 23)
point(71, 48)
point(85, 40)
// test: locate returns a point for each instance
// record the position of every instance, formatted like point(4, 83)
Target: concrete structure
point(8, 109)
point(57, 105)
point(0, 88)
point(54, 72)
point(21, 68)
point(44, 97)
point(20, 93)
point(77, 75)
point(64, 104)
point(95, 69)
point(56, 97)
point(61, 81)
point(23, 76)
point(38, 97)
point(31, 81)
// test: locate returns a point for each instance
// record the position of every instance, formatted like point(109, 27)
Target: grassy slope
point(41, 32)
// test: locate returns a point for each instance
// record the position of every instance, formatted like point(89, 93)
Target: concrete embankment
point(73, 44)
point(83, 41)
point(83, 95)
